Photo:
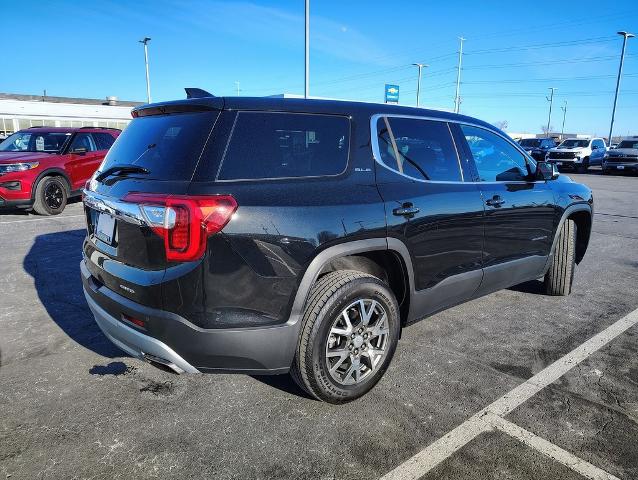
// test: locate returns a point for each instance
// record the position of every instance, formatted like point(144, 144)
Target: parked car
point(267, 236)
point(578, 154)
point(622, 158)
point(42, 167)
point(537, 147)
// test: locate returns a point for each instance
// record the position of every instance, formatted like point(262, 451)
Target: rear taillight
point(184, 221)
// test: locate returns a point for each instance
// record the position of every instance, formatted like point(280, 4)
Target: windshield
point(628, 144)
point(168, 146)
point(50, 142)
point(530, 142)
point(573, 143)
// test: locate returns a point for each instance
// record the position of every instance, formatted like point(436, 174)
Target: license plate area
point(558, 164)
point(105, 228)
point(620, 167)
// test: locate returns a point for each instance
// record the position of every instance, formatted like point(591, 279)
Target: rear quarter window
point(269, 145)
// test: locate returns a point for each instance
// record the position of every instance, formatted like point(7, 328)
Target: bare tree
point(501, 124)
point(546, 130)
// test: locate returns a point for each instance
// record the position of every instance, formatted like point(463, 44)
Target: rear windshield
point(169, 146)
point(283, 145)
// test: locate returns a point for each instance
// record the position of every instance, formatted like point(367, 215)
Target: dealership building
point(18, 112)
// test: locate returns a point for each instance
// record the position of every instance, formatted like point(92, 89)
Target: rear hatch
point(141, 224)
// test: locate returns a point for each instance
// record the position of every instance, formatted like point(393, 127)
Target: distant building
point(23, 111)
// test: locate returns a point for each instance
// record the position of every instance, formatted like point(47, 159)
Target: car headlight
point(17, 167)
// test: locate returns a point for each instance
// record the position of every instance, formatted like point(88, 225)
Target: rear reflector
point(134, 321)
point(184, 221)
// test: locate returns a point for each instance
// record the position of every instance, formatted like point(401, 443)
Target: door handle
point(496, 201)
point(406, 210)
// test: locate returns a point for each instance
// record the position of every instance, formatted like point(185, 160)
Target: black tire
point(584, 167)
point(331, 295)
point(560, 276)
point(51, 195)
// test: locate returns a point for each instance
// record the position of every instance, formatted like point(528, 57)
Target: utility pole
point(418, 83)
point(306, 91)
point(550, 99)
point(457, 98)
point(625, 35)
point(145, 41)
point(237, 87)
point(562, 130)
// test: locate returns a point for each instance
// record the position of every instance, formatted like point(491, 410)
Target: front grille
point(562, 155)
point(623, 159)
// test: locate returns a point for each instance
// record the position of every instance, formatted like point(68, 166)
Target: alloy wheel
point(357, 342)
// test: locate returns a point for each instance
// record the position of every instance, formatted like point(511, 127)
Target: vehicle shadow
point(535, 287)
point(54, 263)
point(283, 382)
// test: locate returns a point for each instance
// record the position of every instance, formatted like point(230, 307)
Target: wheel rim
point(53, 195)
point(357, 342)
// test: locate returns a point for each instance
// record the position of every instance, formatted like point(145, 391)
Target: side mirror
point(79, 150)
point(546, 171)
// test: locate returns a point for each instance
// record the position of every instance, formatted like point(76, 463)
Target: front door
point(520, 212)
point(431, 209)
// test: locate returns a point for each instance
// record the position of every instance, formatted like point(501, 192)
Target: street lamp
point(145, 41)
point(625, 35)
point(550, 99)
point(418, 83)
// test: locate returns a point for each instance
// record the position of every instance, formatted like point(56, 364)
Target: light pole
point(306, 91)
point(625, 35)
point(457, 99)
point(562, 130)
point(145, 41)
point(418, 82)
point(237, 87)
point(550, 99)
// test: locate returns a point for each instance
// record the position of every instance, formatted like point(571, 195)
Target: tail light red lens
point(185, 221)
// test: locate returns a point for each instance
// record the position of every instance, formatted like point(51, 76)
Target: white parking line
point(579, 465)
point(41, 219)
point(444, 447)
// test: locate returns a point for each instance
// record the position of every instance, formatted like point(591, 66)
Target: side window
point(281, 145)
point(83, 140)
point(421, 149)
point(103, 140)
point(599, 144)
point(495, 158)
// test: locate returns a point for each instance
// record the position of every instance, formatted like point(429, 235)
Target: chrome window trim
point(270, 179)
point(376, 153)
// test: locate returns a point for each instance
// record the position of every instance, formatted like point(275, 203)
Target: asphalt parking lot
point(508, 386)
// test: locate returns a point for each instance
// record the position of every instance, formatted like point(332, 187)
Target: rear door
point(430, 207)
point(520, 213)
point(83, 159)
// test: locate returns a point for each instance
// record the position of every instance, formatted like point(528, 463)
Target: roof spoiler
point(197, 93)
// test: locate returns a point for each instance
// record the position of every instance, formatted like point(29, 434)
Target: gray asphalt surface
point(74, 406)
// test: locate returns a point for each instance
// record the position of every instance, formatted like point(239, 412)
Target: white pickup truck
point(578, 153)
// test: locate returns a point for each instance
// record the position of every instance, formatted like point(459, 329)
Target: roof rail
point(100, 128)
point(192, 92)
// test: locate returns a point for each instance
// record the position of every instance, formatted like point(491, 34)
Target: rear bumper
point(136, 343)
point(169, 337)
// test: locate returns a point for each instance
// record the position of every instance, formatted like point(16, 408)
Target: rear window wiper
point(126, 168)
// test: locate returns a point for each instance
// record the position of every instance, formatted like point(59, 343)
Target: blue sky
point(513, 53)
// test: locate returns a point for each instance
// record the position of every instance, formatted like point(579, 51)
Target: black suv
point(537, 147)
point(268, 236)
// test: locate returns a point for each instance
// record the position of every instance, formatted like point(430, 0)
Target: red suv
point(42, 167)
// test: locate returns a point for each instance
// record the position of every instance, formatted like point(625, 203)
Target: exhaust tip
point(161, 363)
